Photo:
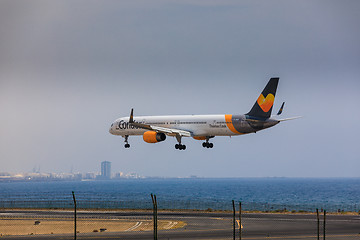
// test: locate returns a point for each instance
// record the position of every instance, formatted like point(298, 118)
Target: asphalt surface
point(203, 225)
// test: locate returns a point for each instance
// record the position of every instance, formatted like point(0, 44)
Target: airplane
point(154, 129)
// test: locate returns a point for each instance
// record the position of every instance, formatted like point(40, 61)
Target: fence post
point(324, 223)
point(233, 204)
point(156, 214)
point(74, 215)
point(153, 197)
point(318, 224)
point(240, 224)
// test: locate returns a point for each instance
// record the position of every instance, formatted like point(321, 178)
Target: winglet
point(131, 119)
point(281, 108)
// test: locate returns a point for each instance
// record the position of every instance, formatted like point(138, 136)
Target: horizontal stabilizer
point(287, 119)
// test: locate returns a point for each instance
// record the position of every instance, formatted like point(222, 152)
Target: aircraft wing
point(168, 131)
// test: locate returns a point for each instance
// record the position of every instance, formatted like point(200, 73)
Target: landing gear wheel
point(180, 146)
point(127, 145)
point(207, 145)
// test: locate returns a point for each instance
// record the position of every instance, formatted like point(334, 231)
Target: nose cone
point(111, 130)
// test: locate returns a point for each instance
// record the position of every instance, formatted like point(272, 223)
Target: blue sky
point(69, 68)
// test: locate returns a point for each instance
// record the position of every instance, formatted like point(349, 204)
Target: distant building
point(90, 175)
point(132, 175)
point(119, 175)
point(105, 170)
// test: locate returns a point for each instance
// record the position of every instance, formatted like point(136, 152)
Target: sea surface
point(270, 194)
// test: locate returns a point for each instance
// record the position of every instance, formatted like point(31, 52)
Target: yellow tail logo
point(266, 103)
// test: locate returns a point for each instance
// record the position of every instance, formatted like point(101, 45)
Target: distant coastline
point(261, 194)
point(78, 177)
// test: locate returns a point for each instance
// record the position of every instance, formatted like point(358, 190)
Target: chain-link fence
point(174, 220)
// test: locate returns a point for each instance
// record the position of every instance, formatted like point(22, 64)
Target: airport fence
point(217, 220)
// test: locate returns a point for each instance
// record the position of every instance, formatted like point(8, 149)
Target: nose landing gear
point(127, 145)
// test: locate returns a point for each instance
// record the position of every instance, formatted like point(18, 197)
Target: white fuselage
point(154, 129)
point(198, 125)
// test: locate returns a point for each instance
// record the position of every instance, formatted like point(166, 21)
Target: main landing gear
point(127, 145)
point(179, 146)
point(207, 144)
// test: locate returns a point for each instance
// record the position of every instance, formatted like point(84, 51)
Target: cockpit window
point(112, 124)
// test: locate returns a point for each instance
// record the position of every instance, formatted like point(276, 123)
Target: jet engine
point(153, 137)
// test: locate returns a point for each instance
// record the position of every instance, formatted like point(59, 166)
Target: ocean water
point(254, 193)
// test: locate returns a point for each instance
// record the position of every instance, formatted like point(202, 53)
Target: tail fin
point(263, 106)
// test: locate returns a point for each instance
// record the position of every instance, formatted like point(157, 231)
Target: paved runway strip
point(199, 225)
point(66, 226)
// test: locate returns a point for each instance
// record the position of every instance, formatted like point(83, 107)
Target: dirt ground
point(60, 226)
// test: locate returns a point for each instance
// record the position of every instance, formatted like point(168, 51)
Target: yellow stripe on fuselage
point(229, 124)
